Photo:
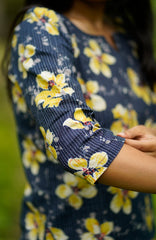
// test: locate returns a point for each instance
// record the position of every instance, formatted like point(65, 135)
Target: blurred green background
point(12, 178)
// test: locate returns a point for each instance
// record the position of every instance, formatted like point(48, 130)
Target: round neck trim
point(83, 32)
point(88, 35)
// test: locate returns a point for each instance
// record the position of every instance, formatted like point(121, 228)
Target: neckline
point(114, 35)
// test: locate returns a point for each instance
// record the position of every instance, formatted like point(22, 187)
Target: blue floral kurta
point(72, 93)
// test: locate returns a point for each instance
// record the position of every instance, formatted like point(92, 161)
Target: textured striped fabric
point(72, 93)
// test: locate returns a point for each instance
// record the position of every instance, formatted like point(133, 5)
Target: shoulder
point(43, 22)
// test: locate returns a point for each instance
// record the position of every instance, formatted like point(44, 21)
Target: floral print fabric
point(68, 89)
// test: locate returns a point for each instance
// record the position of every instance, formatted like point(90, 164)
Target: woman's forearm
point(132, 170)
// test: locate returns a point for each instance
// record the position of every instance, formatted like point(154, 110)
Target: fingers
point(143, 145)
point(133, 132)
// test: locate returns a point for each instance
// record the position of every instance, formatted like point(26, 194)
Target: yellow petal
point(73, 124)
point(98, 159)
point(75, 201)
point(32, 235)
point(92, 225)
point(107, 227)
point(106, 70)
point(70, 179)
point(88, 236)
point(29, 51)
point(89, 103)
point(43, 132)
point(63, 191)
point(68, 90)
point(88, 52)
point(49, 236)
point(95, 47)
point(52, 29)
point(49, 137)
point(39, 11)
point(132, 194)
point(117, 127)
point(14, 41)
point(88, 192)
point(95, 65)
point(116, 203)
point(98, 103)
point(28, 63)
point(42, 83)
point(29, 221)
point(80, 116)
point(52, 154)
point(77, 163)
point(52, 102)
point(21, 50)
point(114, 190)
point(34, 168)
point(108, 59)
point(40, 157)
point(127, 206)
point(92, 86)
point(58, 234)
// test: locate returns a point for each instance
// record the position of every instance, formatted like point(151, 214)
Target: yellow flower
point(50, 151)
point(74, 189)
point(90, 170)
point(74, 45)
point(14, 41)
point(17, 95)
point(32, 157)
point(93, 100)
point(27, 190)
point(99, 61)
point(55, 234)
point(148, 213)
point(25, 61)
point(126, 119)
point(81, 121)
point(47, 18)
point(54, 87)
point(142, 91)
point(149, 123)
point(121, 200)
point(35, 223)
point(97, 231)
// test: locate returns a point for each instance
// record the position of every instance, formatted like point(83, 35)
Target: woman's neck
point(88, 16)
point(87, 12)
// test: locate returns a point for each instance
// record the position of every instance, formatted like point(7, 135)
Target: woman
point(75, 72)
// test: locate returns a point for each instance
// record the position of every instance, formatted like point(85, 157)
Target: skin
point(141, 138)
point(132, 169)
point(88, 16)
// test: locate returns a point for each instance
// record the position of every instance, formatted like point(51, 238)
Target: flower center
point(35, 224)
point(33, 153)
point(87, 95)
point(88, 171)
point(75, 190)
point(23, 59)
point(51, 83)
point(87, 123)
point(99, 58)
point(100, 236)
point(125, 193)
point(43, 20)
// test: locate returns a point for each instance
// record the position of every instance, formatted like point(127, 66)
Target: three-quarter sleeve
point(42, 62)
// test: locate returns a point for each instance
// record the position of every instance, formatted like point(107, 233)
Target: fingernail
point(121, 134)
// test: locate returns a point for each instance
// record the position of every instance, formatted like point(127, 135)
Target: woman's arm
point(132, 170)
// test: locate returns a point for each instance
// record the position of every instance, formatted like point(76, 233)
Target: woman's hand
point(141, 138)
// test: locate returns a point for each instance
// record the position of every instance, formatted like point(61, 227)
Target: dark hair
point(137, 19)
